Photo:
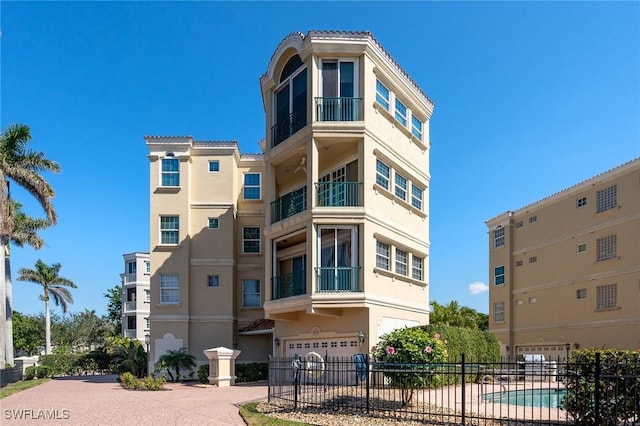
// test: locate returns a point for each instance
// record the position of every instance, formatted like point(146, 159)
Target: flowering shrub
point(409, 358)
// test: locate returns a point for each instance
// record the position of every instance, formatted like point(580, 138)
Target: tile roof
point(259, 325)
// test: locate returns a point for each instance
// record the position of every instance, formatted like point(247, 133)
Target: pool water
point(548, 398)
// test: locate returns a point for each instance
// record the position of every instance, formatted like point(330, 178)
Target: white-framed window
point(338, 90)
point(251, 188)
point(170, 173)
point(416, 127)
point(498, 237)
point(147, 323)
point(251, 239)
point(606, 296)
point(147, 296)
point(401, 112)
point(498, 275)
point(402, 260)
point(606, 199)
point(147, 266)
point(251, 293)
point(290, 100)
point(400, 186)
point(581, 202)
point(498, 312)
point(581, 248)
point(213, 280)
point(383, 174)
point(533, 259)
point(382, 95)
point(214, 165)
point(417, 194)
point(606, 248)
point(131, 267)
point(382, 255)
point(213, 223)
point(417, 265)
point(169, 229)
point(169, 289)
point(581, 293)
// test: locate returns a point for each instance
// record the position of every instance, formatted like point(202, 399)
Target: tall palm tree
point(54, 287)
point(22, 166)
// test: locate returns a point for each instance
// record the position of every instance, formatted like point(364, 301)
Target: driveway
point(100, 400)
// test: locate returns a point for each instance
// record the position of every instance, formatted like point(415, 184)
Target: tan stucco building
point(565, 271)
point(318, 244)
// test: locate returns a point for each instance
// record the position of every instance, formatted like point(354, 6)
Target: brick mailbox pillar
point(222, 366)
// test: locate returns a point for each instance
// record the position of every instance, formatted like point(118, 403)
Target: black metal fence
point(509, 392)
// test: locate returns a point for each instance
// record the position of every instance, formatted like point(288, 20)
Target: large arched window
point(290, 101)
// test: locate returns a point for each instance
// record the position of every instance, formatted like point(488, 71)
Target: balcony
point(289, 204)
point(129, 306)
point(287, 127)
point(338, 109)
point(288, 285)
point(130, 278)
point(130, 333)
point(339, 194)
point(338, 279)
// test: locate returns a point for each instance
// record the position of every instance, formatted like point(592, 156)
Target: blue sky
point(530, 98)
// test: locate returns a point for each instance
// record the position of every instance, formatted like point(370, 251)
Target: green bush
point(203, 374)
point(619, 387)
point(153, 383)
point(131, 382)
point(30, 372)
point(478, 346)
point(74, 364)
point(43, 371)
point(252, 372)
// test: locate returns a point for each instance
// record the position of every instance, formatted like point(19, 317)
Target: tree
point(28, 333)
point(177, 359)
point(131, 357)
point(455, 315)
point(114, 309)
point(22, 166)
point(53, 286)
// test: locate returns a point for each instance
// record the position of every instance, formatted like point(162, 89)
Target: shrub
point(153, 383)
point(252, 372)
point(131, 382)
point(30, 372)
point(43, 371)
point(203, 374)
point(619, 387)
point(477, 345)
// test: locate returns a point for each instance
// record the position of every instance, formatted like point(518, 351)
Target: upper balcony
point(289, 204)
point(339, 194)
point(288, 285)
point(130, 306)
point(288, 126)
point(338, 109)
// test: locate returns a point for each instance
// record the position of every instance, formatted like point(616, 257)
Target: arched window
point(290, 67)
point(290, 101)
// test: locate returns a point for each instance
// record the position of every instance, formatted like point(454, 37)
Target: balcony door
point(332, 191)
point(338, 90)
point(338, 258)
point(290, 101)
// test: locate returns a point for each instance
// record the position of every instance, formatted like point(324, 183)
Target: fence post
point(464, 385)
point(269, 376)
point(296, 381)
point(596, 393)
point(366, 380)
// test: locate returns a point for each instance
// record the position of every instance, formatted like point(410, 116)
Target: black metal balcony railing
point(339, 194)
point(338, 109)
point(288, 285)
point(288, 205)
point(288, 126)
point(338, 280)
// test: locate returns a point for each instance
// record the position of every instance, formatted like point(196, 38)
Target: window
point(606, 248)
point(606, 199)
point(498, 237)
point(213, 223)
point(533, 300)
point(581, 248)
point(214, 166)
point(147, 323)
point(147, 266)
point(169, 289)
point(383, 174)
point(147, 296)
point(581, 202)
point(251, 190)
point(251, 239)
point(402, 259)
point(416, 127)
point(401, 112)
point(498, 275)
point(498, 312)
point(382, 255)
point(251, 293)
point(581, 293)
point(533, 259)
point(169, 229)
point(401, 187)
point(519, 262)
point(290, 101)
point(416, 197)
point(519, 224)
point(606, 296)
point(416, 267)
point(131, 267)
point(339, 90)
point(382, 95)
point(213, 280)
point(170, 172)
point(533, 219)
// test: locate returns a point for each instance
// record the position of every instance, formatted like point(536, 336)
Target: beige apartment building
point(318, 244)
point(565, 270)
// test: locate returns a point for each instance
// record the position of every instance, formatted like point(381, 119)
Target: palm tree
point(54, 286)
point(177, 359)
point(131, 357)
point(22, 166)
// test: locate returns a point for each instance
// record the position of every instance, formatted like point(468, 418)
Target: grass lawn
point(16, 387)
point(254, 418)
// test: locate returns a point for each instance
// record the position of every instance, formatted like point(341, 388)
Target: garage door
point(334, 347)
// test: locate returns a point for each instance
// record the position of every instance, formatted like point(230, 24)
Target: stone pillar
point(222, 366)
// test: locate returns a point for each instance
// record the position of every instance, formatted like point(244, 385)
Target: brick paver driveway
point(100, 400)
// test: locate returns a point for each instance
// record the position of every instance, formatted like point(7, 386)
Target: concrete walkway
point(100, 400)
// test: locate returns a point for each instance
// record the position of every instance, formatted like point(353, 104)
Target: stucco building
point(320, 243)
point(136, 295)
point(565, 270)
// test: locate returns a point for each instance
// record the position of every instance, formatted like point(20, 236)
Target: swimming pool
point(548, 398)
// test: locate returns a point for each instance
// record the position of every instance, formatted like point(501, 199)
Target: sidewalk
point(100, 400)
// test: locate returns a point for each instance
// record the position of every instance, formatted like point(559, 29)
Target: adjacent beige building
point(136, 296)
point(565, 271)
point(318, 244)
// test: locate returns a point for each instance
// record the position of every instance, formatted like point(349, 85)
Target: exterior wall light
point(361, 337)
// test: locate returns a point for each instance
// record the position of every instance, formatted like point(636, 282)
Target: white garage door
point(333, 347)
